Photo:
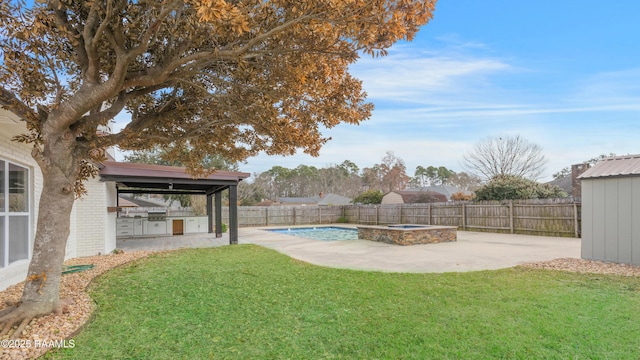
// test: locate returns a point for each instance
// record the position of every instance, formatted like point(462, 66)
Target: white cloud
point(615, 88)
point(404, 78)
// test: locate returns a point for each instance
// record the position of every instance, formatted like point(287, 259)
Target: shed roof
point(627, 165)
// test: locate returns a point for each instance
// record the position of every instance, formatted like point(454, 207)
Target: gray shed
point(611, 210)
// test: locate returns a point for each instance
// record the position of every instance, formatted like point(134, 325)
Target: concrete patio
point(473, 250)
point(160, 243)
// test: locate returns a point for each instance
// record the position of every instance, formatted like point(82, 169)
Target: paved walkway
point(172, 242)
point(472, 251)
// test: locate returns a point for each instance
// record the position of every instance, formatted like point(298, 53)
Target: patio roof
point(160, 179)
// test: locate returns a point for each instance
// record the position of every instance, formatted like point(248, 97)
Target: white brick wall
point(95, 233)
point(70, 251)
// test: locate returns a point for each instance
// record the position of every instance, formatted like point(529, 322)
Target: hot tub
point(408, 234)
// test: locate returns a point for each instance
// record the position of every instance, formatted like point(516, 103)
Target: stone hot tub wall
point(408, 236)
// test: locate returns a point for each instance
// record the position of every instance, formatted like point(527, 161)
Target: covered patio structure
point(135, 178)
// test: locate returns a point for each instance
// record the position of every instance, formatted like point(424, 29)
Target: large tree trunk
point(59, 170)
point(41, 291)
point(41, 294)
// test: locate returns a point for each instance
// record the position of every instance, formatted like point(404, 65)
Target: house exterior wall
point(611, 219)
point(392, 198)
point(20, 154)
point(72, 240)
point(95, 234)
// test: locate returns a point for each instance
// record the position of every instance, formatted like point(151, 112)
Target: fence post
point(575, 219)
point(429, 215)
point(294, 215)
point(319, 215)
point(377, 216)
point(358, 215)
point(511, 217)
point(464, 217)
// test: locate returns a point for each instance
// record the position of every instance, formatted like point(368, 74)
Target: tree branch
point(10, 102)
point(151, 31)
point(91, 121)
point(56, 80)
point(137, 125)
point(62, 21)
point(91, 36)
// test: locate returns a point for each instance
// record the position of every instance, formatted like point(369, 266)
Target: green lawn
point(247, 302)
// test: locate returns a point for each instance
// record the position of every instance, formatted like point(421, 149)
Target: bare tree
point(394, 172)
point(464, 181)
point(505, 155)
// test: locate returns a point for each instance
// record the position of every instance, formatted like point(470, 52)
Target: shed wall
point(392, 198)
point(611, 219)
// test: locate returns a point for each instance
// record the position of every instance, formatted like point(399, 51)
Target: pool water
point(327, 233)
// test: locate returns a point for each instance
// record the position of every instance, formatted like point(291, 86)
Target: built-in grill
point(157, 216)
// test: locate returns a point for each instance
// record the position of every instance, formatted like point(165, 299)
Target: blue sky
point(562, 74)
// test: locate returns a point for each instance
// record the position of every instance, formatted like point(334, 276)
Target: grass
point(247, 302)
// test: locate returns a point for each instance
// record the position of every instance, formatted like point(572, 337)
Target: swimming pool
point(323, 233)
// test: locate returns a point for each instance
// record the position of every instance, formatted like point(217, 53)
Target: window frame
point(7, 214)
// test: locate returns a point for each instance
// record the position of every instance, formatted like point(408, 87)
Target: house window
point(14, 213)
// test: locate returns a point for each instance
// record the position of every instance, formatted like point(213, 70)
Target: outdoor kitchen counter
point(143, 226)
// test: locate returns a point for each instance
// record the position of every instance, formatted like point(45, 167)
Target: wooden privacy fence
point(556, 217)
point(285, 215)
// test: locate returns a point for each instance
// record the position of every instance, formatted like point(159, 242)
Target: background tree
point(431, 175)
point(464, 181)
point(162, 156)
point(250, 194)
point(505, 155)
point(394, 173)
point(304, 179)
point(372, 177)
point(307, 181)
point(340, 179)
point(438, 175)
point(227, 78)
point(389, 175)
point(511, 187)
point(276, 180)
point(369, 197)
point(420, 178)
point(349, 168)
point(443, 176)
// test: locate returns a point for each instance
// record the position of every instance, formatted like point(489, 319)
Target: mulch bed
point(43, 333)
